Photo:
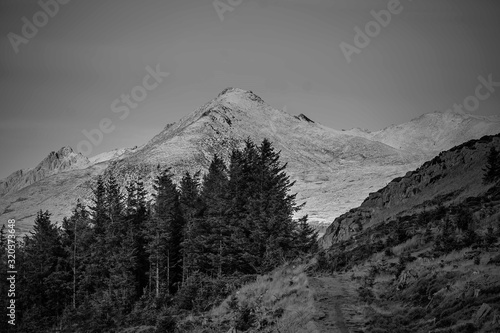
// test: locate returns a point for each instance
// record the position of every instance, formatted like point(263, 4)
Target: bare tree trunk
point(150, 277)
point(220, 256)
point(157, 266)
point(157, 278)
point(183, 268)
point(74, 267)
point(168, 269)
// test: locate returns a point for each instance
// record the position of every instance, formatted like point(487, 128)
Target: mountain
point(434, 132)
point(422, 253)
point(334, 170)
point(326, 163)
point(63, 160)
point(451, 177)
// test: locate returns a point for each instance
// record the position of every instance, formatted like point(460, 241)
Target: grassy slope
point(427, 261)
point(414, 275)
point(281, 301)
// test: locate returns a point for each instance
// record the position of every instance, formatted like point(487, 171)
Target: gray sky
point(67, 76)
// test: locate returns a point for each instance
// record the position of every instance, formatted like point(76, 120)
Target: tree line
point(110, 260)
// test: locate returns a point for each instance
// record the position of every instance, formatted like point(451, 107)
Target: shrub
point(165, 322)
point(366, 294)
point(446, 322)
point(143, 313)
point(323, 261)
point(490, 237)
point(245, 317)
point(416, 313)
point(408, 245)
point(200, 292)
point(232, 304)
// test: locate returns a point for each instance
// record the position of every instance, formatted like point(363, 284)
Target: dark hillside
point(450, 178)
point(424, 251)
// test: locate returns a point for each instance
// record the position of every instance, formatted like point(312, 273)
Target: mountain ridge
point(453, 175)
point(334, 170)
point(57, 161)
point(434, 132)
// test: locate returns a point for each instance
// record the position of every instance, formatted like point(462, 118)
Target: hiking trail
point(337, 305)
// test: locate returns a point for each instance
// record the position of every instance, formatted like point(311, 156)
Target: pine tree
point(305, 237)
point(120, 244)
point(97, 267)
point(281, 206)
point(114, 204)
point(213, 238)
point(137, 219)
point(242, 188)
point(168, 227)
point(261, 208)
point(131, 204)
point(191, 210)
point(45, 286)
point(492, 169)
point(272, 209)
point(141, 199)
point(190, 200)
point(98, 211)
point(76, 238)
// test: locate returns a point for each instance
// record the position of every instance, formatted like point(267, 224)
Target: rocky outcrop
point(304, 118)
point(63, 160)
point(453, 174)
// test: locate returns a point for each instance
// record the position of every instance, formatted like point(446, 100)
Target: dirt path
point(339, 311)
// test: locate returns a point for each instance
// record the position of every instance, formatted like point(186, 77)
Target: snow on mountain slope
point(331, 169)
point(434, 132)
point(111, 155)
point(334, 170)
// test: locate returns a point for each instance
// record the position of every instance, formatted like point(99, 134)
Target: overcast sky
point(65, 78)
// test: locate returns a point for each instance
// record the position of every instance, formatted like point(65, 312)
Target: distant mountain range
point(434, 132)
point(334, 170)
